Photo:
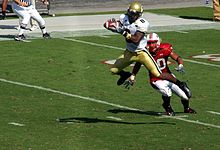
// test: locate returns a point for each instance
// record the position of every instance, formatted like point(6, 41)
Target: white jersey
point(141, 25)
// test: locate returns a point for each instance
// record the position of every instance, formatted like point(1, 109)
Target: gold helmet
point(134, 11)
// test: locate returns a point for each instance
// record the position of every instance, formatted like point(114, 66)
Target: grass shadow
point(7, 36)
point(196, 18)
point(94, 120)
point(150, 113)
point(97, 120)
point(7, 26)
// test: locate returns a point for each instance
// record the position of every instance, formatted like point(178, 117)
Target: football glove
point(126, 33)
point(180, 69)
point(129, 82)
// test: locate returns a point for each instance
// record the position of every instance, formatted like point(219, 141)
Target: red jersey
point(161, 56)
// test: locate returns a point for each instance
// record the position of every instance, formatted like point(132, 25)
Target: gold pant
point(142, 57)
point(216, 9)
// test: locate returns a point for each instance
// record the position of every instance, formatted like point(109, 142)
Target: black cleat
point(189, 110)
point(20, 37)
point(2, 17)
point(169, 110)
point(123, 78)
point(46, 36)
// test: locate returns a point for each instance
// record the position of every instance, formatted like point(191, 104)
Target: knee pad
point(114, 70)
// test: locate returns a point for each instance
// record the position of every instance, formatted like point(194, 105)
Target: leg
point(24, 16)
point(36, 16)
point(162, 86)
point(4, 7)
point(166, 105)
point(33, 23)
point(216, 10)
point(184, 99)
point(186, 107)
point(122, 62)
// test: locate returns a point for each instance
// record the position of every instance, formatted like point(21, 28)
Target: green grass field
point(58, 95)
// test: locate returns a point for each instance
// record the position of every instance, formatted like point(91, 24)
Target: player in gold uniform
point(134, 28)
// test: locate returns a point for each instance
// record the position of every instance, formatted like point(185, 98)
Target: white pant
point(166, 88)
point(25, 13)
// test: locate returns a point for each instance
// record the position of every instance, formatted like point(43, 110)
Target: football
point(111, 24)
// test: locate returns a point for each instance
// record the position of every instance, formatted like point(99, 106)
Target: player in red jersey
point(161, 52)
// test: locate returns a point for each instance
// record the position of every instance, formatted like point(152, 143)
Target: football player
point(25, 10)
point(161, 52)
point(4, 7)
point(134, 27)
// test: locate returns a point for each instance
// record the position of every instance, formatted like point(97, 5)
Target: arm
point(24, 4)
point(4, 5)
point(133, 38)
point(176, 57)
point(136, 68)
point(179, 60)
point(131, 80)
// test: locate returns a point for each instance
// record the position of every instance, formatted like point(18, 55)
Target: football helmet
point(153, 38)
point(135, 10)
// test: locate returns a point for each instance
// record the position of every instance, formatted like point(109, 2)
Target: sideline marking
point(213, 112)
point(115, 118)
point(180, 116)
point(100, 101)
point(118, 48)
point(68, 94)
point(16, 124)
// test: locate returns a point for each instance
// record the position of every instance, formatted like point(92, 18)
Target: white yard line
point(16, 124)
point(213, 112)
point(118, 48)
point(100, 101)
point(114, 118)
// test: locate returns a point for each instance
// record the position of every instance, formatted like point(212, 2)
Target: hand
point(126, 33)
point(129, 82)
point(24, 4)
point(180, 69)
point(45, 2)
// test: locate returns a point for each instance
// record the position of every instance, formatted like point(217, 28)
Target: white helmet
point(153, 37)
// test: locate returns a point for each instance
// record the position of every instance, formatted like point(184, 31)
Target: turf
point(79, 119)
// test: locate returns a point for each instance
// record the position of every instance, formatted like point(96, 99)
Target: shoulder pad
point(167, 46)
point(142, 25)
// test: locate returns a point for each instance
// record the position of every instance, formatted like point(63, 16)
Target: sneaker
point(34, 27)
point(169, 110)
point(3, 17)
point(46, 35)
point(189, 110)
point(20, 38)
point(123, 78)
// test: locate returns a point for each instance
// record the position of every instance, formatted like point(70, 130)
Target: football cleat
point(20, 37)
point(46, 36)
point(189, 110)
point(169, 110)
point(123, 78)
point(183, 86)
